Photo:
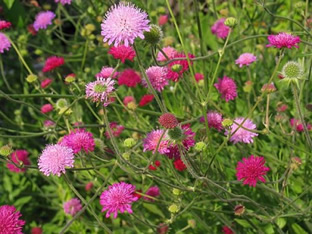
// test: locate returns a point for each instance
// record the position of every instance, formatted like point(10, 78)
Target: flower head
point(174, 74)
point(52, 63)
point(54, 159)
point(179, 165)
point(5, 44)
point(116, 129)
point(123, 23)
point(227, 230)
point(168, 120)
point(72, 206)
point(10, 221)
point(63, 2)
point(220, 29)
point(46, 82)
point(153, 138)
point(214, 120)
point(43, 19)
point(162, 19)
point(152, 192)
point(157, 77)
point(122, 53)
point(128, 99)
point(100, 90)
point(242, 135)
point(48, 123)
point(169, 51)
point(283, 40)
point(118, 197)
point(78, 140)
point(296, 124)
point(245, 59)
point(227, 88)
point(18, 157)
point(147, 98)
point(107, 72)
point(199, 77)
point(36, 230)
point(46, 108)
point(251, 170)
point(129, 77)
point(4, 24)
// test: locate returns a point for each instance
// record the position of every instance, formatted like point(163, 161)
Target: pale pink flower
point(169, 51)
point(100, 90)
point(151, 141)
point(157, 77)
point(214, 120)
point(242, 135)
point(245, 59)
point(220, 29)
point(72, 206)
point(283, 40)
point(5, 44)
point(43, 19)
point(63, 2)
point(227, 88)
point(107, 72)
point(116, 129)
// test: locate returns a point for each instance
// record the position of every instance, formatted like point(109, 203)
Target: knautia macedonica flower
point(147, 98)
point(63, 2)
point(292, 72)
point(5, 44)
point(129, 77)
point(10, 222)
point(251, 170)
point(118, 197)
point(100, 90)
point(107, 72)
point(245, 59)
point(123, 23)
point(179, 165)
point(283, 40)
point(220, 29)
point(152, 192)
point(242, 135)
point(54, 159)
point(168, 120)
point(122, 53)
point(227, 88)
point(214, 119)
point(227, 230)
point(78, 140)
point(19, 157)
point(45, 83)
point(36, 230)
point(4, 24)
point(52, 62)
point(157, 77)
point(46, 108)
point(296, 124)
point(151, 141)
point(43, 19)
point(116, 129)
point(177, 68)
point(72, 206)
point(169, 51)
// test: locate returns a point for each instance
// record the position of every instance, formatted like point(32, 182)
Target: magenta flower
point(116, 130)
point(53, 62)
point(4, 24)
point(54, 159)
point(5, 44)
point(177, 68)
point(283, 40)
point(199, 77)
point(157, 77)
point(100, 90)
point(151, 141)
point(129, 77)
point(245, 59)
point(9, 220)
point(63, 2)
point(123, 23)
point(296, 124)
point(227, 88)
point(122, 53)
point(251, 170)
point(128, 99)
point(242, 135)
point(118, 197)
point(220, 29)
point(46, 82)
point(152, 192)
point(43, 19)
point(48, 123)
point(19, 157)
point(46, 108)
point(169, 51)
point(72, 206)
point(214, 120)
point(79, 140)
point(107, 72)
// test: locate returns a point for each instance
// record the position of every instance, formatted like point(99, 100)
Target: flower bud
point(126, 156)
point(61, 103)
point(200, 146)
point(248, 86)
point(191, 223)
point(31, 78)
point(175, 133)
point(154, 36)
point(227, 123)
point(295, 163)
point(231, 22)
point(176, 191)
point(129, 142)
point(174, 208)
point(292, 72)
point(268, 88)
point(168, 121)
point(176, 67)
point(6, 150)
point(99, 144)
point(239, 210)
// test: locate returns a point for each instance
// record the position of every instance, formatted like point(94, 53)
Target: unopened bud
point(6, 150)
point(154, 36)
point(31, 78)
point(174, 208)
point(200, 146)
point(129, 142)
point(231, 22)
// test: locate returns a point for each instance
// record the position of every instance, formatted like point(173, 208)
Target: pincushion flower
point(48, 123)
point(107, 72)
point(283, 40)
point(116, 129)
point(245, 59)
point(5, 43)
point(54, 159)
point(36, 230)
point(118, 197)
point(168, 120)
point(199, 77)
point(4, 24)
point(162, 19)
point(46, 108)
point(220, 29)
point(227, 230)
point(43, 19)
point(214, 120)
point(227, 88)
point(123, 23)
point(251, 170)
point(63, 2)
point(100, 90)
point(122, 53)
point(78, 140)
point(72, 207)
point(169, 51)
point(296, 124)
point(128, 99)
point(157, 77)
point(52, 63)
point(151, 141)
point(129, 77)
point(152, 192)
point(45, 83)
point(242, 135)
point(174, 74)
point(147, 98)
point(10, 222)
point(18, 157)
point(179, 165)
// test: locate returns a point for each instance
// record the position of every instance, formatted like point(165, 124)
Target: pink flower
point(283, 40)
point(89, 186)
point(100, 90)
point(242, 135)
point(36, 230)
point(151, 141)
point(63, 2)
point(123, 23)
point(198, 77)
point(294, 123)
point(19, 157)
point(107, 72)
point(214, 120)
point(72, 207)
point(31, 30)
point(46, 108)
point(43, 19)
point(157, 77)
point(179, 165)
point(128, 99)
point(116, 130)
point(46, 82)
point(251, 170)
point(4, 24)
point(5, 44)
point(162, 19)
point(129, 77)
point(220, 29)
point(10, 221)
point(147, 98)
point(48, 123)
point(282, 108)
point(245, 59)
point(227, 230)
point(78, 140)
point(174, 73)
point(227, 88)
point(152, 192)
point(52, 63)
point(54, 159)
point(122, 53)
point(169, 51)
point(118, 197)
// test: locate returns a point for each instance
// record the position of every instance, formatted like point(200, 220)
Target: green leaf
point(9, 3)
point(243, 223)
point(297, 229)
point(281, 222)
point(20, 202)
point(154, 209)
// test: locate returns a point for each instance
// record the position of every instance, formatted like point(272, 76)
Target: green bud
point(129, 142)
point(161, 10)
point(99, 144)
point(65, 110)
point(191, 223)
point(126, 156)
point(154, 36)
point(175, 133)
point(70, 79)
point(61, 103)
point(231, 22)
point(227, 123)
point(31, 78)
point(176, 192)
point(174, 208)
point(200, 146)
point(6, 150)
point(176, 67)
